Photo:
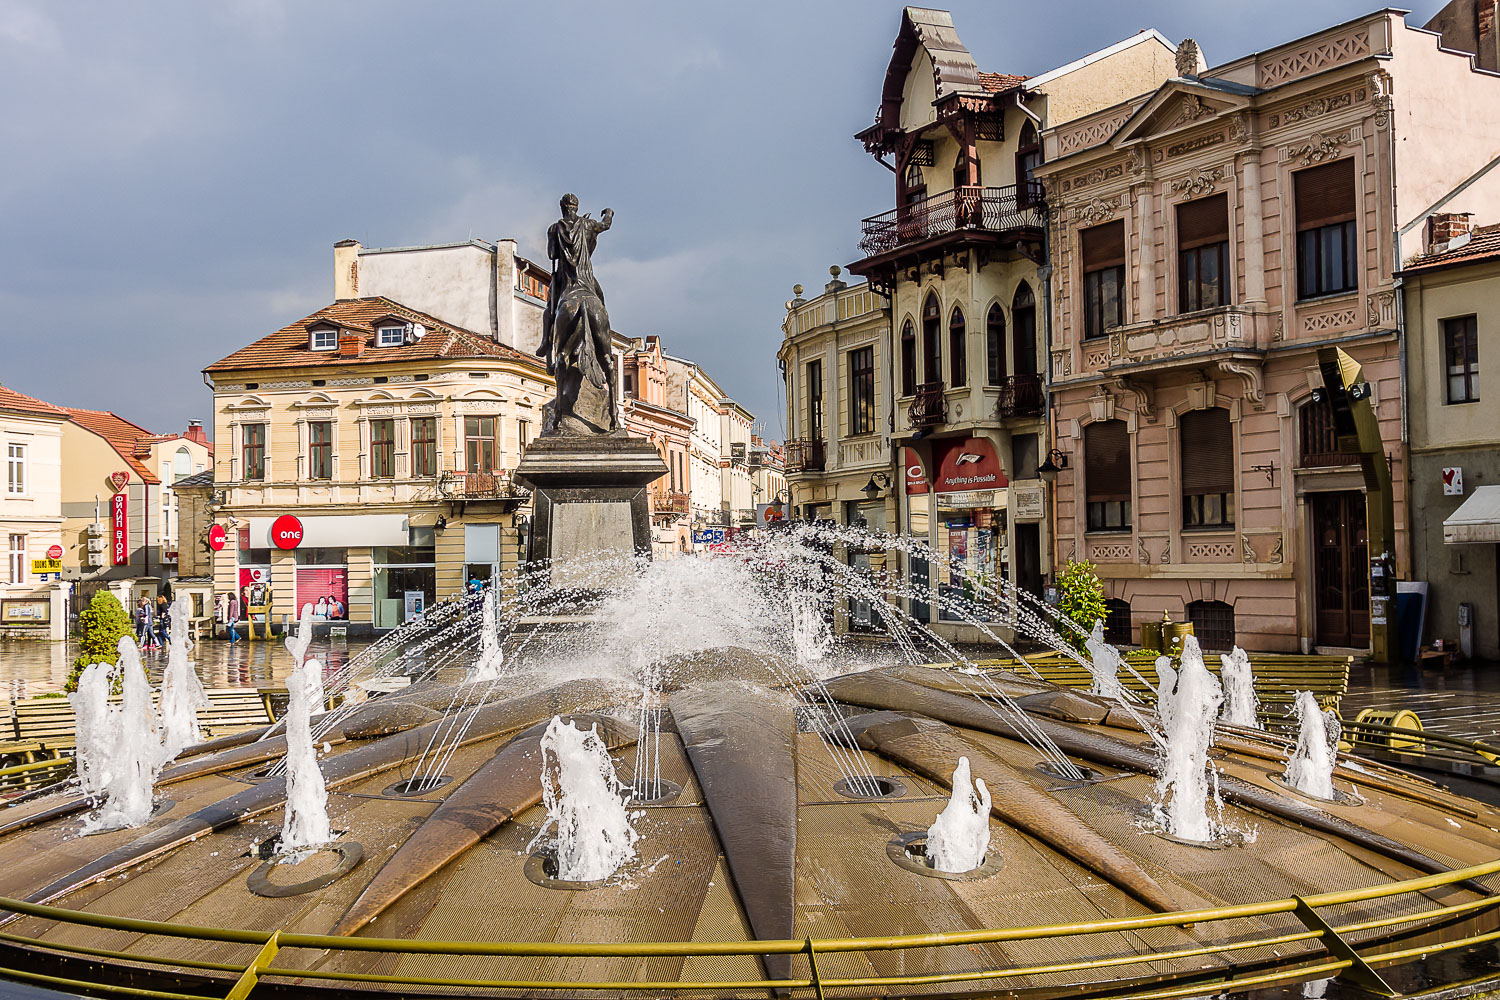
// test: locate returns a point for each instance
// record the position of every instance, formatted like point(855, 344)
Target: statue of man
point(575, 326)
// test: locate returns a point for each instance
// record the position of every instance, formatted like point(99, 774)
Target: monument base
point(590, 506)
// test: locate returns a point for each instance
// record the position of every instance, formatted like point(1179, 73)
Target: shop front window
point(405, 580)
point(869, 562)
point(971, 541)
point(323, 583)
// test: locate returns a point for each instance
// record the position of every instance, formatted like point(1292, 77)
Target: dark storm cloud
point(175, 174)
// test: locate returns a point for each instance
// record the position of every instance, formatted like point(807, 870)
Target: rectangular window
point(325, 340)
point(15, 469)
point(1327, 249)
point(815, 399)
point(1106, 473)
point(17, 558)
point(523, 433)
point(1203, 253)
point(253, 451)
point(1103, 278)
point(320, 450)
point(479, 444)
point(390, 336)
point(862, 391)
point(1461, 356)
point(382, 449)
point(1207, 442)
point(423, 447)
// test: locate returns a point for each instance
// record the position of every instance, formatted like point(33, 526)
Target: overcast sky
point(175, 174)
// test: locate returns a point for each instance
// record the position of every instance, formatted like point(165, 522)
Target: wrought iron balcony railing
point(478, 486)
point(1021, 396)
point(927, 406)
point(804, 455)
point(983, 209)
point(671, 502)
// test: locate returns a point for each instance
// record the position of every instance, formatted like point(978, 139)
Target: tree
point(1082, 598)
point(103, 624)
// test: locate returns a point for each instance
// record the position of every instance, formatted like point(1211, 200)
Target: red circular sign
point(55, 552)
point(286, 532)
point(217, 538)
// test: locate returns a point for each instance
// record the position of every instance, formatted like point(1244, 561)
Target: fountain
point(771, 773)
point(1188, 702)
point(1240, 701)
point(182, 693)
point(585, 805)
point(958, 838)
point(122, 744)
point(1310, 767)
point(1104, 663)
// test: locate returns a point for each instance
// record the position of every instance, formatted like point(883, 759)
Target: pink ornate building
point(1206, 239)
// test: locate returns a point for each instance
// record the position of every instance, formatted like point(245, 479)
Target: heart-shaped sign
point(117, 480)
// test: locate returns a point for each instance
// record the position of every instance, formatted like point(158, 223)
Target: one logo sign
point(54, 552)
point(117, 480)
point(1453, 482)
point(286, 532)
point(119, 528)
point(217, 538)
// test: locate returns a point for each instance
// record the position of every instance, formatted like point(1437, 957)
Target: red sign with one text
point(286, 532)
point(217, 538)
point(119, 517)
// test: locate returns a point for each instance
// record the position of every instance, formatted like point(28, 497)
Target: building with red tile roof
point(31, 603)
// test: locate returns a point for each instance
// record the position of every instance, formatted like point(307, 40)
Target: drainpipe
point(1050, 424)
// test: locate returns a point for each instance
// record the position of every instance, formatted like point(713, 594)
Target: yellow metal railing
point(37, 773)
point(1334, 956)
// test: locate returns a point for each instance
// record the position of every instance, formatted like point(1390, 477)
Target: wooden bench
point(43, 728)
point(1278, 677)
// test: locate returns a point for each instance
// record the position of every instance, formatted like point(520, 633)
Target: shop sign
point(973, 498)
point(767, 514)
point(967, 465)
point(1028, 501)
point(916, 482)
point(286, 532)
point(54, 552)
point(40, 566)
point(708, 536)
point(119, 526)
point(217, 538)
point(117, 480)
point(1453, 482)
point(26, 611)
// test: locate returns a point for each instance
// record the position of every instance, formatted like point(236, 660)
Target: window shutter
point(1207, 452)
point(1104, 246)
point(1203, 222)
point(1325, 194)
point(1106, 461)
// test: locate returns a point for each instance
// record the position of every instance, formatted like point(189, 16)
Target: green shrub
point(103, 624)
point(1082, 598)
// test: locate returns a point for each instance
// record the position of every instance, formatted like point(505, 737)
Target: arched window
point(958, 348)
point(1106, 474)
point(182, 464)
point(1023, 330)
point(1117, 622)
point(1028, 158)
point(932, 341)
point(961, 171)
point(916, 185)
point(1207, 440)
point(994, 345)
point(1213, 624)
point(908, 359)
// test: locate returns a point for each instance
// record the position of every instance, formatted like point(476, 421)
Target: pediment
point(1180, 104)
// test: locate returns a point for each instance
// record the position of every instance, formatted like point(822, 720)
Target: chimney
point(346, 269)
point(1189, 58)
point(351, 345)
point(1445, 227)
point(195, 432)
point(504, 326)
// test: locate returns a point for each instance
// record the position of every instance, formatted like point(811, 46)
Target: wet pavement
point(1462, 701)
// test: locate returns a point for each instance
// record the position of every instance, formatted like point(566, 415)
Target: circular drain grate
point(326, 865)
point(1051, 770)
point(878, 787)
point(660, 792)
point(541, 869)
point(411, 787)
point(909, 851)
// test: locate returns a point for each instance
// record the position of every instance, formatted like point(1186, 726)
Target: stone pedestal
point(590, 504)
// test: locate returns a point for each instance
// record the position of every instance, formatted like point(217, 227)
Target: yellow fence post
point(812, 964)
point(259, 964)
point(1359, 972)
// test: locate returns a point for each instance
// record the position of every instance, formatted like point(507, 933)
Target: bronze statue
point(575, 329)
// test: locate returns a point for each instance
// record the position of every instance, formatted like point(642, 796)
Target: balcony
point(1226, 333)
point(1021, 396)
point(670, 502)
point(995, 210)
point(804, 455)
point(927, 406)
point(478, 486)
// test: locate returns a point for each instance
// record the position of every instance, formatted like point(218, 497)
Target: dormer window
point(390, 336)
point(323, 339)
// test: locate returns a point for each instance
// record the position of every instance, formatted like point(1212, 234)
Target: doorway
point(1027, 538)
point(1341, 581)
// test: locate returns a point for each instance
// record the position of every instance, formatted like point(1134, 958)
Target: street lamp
point(779, 504)
point(879, 482)
point(1055, 463)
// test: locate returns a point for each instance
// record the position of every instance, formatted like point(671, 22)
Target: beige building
point(647, 410)
point(1208, 237)
point(957, 265)
point(1452, 297)
point(388, 436)
point(33, 601)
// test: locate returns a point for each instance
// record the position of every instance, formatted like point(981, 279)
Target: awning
point(1476, 520)
point(338, 531)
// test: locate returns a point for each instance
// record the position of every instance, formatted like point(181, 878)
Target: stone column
point(1255, 240)
point(1145, 257)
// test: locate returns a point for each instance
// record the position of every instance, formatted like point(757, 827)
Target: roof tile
point(1484, 244)
point(119, 432)
point(18, 402)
